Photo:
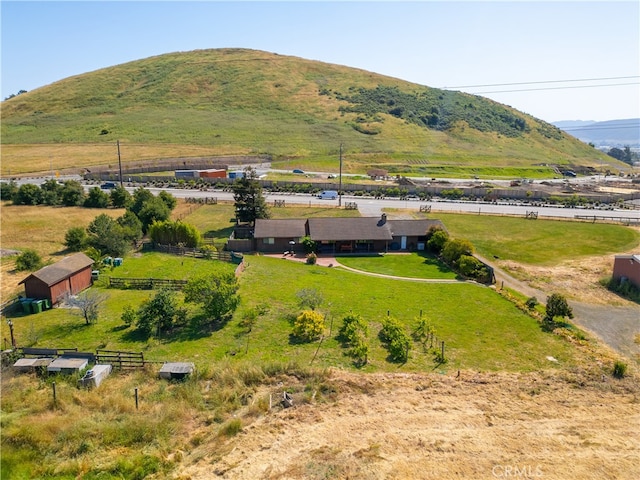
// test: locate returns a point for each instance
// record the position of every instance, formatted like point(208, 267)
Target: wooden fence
point(194, 252)
point(145, 283)
point(45, 352)
point(118, 359)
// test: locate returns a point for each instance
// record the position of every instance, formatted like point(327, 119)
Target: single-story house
point(343, 235)
point(627, 267)
point(55, 282)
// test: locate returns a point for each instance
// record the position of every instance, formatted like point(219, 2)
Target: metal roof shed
point(54, 282)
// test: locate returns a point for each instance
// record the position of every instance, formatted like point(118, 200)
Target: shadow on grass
point(433, 261)
point(220, 233)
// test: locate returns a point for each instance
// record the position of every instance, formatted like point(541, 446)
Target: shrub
point(309, 298)
point(308, 326)
point(75, 239)
point(531, 303)
point(128, 316)
point(437, 240)
point(454, 249)
point(351, 325)
point(396, 340)
point(354, 332)
point(312, 258)
point(28, 260)
point(309, 245)
point(619, 369)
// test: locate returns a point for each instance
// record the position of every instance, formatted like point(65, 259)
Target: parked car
point(108, 185)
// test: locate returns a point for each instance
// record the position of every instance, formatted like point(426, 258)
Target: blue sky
point(438, 44)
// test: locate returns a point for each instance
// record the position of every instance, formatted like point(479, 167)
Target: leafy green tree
point(76, 239)
point(51, 192)
point(28, 194)
point(153, 210)
point(8, 190)
point(169, 200)
point(120, 197)
point(140, 197)
point(437, 240)
point(158, 313)
point(175, 233)
point(96, 199)
point(106, 236)
point(217, 294)
point(131, 226)
point(28, 260)
point(95, 255)
point(557, 306)
point(249, 200)
point(72, 193)
point(308, 326)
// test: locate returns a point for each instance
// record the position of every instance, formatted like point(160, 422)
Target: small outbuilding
point(68, 365)
point(176, 370)
point(94, 377)
point(627, 268)
point(55, 282)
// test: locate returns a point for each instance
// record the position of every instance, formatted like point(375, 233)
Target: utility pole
point(340, 180)
point(119, 162)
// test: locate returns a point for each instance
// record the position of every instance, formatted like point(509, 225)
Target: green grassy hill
point(234, 101)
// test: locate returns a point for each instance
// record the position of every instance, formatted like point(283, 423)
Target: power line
point(545, 81)
point(557, 88)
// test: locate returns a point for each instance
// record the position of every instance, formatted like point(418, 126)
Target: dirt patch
point(429, 426)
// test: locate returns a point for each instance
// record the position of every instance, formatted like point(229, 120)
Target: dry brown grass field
point(44, 158)
point(42, 228)
point(427, 426)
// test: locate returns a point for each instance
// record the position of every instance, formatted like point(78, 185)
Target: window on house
point(268, 241)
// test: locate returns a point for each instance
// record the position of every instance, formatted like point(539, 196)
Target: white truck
point(328, 195)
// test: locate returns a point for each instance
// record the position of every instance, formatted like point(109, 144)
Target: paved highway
point(371, 207)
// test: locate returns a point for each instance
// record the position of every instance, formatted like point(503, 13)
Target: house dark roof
point(281, 228)
point(359, 228)
point(52, 274)
point(412, 227)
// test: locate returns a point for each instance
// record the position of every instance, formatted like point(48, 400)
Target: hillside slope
point(235, 101)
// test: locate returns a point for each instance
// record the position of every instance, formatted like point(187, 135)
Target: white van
point(328, 195)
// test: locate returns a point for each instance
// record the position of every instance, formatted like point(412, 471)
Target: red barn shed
point(628, 267)
point(67, 277)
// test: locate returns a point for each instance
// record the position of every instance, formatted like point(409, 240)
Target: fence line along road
point(373, 206)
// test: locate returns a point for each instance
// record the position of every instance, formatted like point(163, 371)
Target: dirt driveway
point(618, 326)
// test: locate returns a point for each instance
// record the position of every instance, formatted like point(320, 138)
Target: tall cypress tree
point(249, 201)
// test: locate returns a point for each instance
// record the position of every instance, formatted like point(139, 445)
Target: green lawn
point(160, 265)
point(538, 242)
point(481, 330)
point(412, 265)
